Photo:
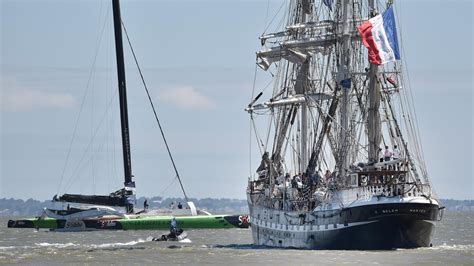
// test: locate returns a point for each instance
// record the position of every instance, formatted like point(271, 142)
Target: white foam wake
point(119, 244)
point(55, 245)
point(444, 246)
point(7, 248)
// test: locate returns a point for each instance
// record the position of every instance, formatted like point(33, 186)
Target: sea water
point(453, 244)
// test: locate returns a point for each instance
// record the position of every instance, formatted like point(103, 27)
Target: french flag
point(379, 35)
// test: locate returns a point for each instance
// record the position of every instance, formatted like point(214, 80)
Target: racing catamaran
point(124, 197)
point(102, 215)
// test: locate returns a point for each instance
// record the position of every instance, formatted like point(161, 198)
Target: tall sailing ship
point(341, 160)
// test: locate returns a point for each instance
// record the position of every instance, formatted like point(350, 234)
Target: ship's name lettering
point(389, 210)
point(418, 210)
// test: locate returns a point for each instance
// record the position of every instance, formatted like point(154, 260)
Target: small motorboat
point(178, 236)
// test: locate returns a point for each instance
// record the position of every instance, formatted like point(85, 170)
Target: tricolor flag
point(379, 35)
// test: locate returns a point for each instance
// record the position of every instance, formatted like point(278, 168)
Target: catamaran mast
point(127, 164)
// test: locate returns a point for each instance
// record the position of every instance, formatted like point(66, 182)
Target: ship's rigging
point(341, 163)
point(329, 108)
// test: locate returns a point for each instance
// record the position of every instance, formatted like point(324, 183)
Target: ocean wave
point(55, 245)
point(239, 246)
point(7, 248)
point(118, 244)
point(444, 246)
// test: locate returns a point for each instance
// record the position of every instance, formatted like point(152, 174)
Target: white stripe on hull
point(306, 228)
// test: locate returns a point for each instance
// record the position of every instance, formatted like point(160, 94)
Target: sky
point(198, 60)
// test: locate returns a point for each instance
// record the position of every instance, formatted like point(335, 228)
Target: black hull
point(385, 234)
point(368, 227)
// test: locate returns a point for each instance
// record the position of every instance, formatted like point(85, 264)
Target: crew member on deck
point(294, 183)
point(313, 179)
point(396, 155)
point(327, 176)
point(145, 204)
point(180, 206)
point(387, 154)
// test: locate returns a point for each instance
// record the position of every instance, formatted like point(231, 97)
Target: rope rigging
point(81, 108)
point(326, 69)
point(154, 112)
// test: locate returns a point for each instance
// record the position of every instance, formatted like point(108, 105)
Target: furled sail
point(124, 197)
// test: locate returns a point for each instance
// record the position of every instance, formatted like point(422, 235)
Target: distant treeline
point(458, 205)
point(31, 207)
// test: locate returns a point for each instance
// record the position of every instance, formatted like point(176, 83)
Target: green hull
point(136, 223)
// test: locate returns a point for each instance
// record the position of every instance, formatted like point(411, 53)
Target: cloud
point(20, 99)
point(186, 98)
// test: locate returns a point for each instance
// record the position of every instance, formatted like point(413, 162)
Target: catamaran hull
point(377, 226)
point(138, 223)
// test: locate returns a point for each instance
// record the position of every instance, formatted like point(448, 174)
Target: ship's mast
point(344, 74)
point(301, 88)
point(373, 118)
point(127, 164)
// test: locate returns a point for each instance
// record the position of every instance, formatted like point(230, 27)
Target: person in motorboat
point(174, 235)
point(173, 230)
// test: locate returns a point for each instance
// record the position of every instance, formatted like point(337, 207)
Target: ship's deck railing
point(302, 202)
point(393, 190)
point(401, 190)
point(366, 184)
point(377, 177)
